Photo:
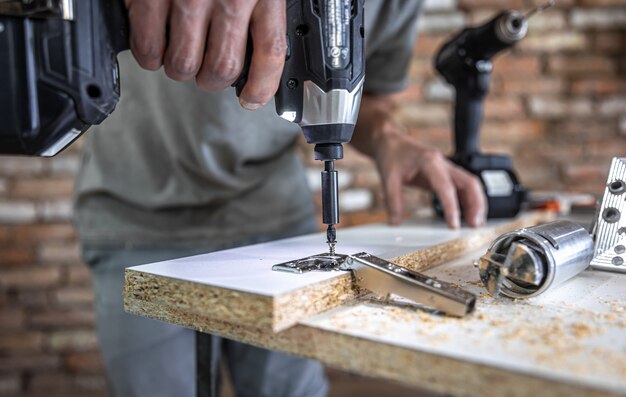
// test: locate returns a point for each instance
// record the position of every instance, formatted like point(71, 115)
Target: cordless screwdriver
point(465, 62)
point(59, 76)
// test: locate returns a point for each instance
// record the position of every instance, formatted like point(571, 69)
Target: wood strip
point(441, 253)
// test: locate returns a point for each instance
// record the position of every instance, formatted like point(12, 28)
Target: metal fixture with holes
point(389, 280)
point(527, 262)
point(610, 230)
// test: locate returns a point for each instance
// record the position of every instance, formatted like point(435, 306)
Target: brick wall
point(558, 105)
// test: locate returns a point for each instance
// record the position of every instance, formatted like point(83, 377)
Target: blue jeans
point(145, 357)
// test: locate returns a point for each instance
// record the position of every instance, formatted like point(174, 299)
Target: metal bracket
point(63, 9)
point(385, 279)
point(613, 259)
point(610, 228)
point(320, 262)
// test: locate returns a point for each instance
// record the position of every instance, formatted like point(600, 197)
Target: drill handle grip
point(468, 114)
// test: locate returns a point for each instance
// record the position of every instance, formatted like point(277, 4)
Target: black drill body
point(59, 76)
point(465, 63)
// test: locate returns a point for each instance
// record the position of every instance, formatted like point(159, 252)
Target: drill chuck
point(511, 27)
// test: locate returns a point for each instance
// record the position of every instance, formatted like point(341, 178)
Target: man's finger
point(226, 46)
point(147, 31)
point(187, 39)
point(471, 196)
point(268, 28)
point(393, 197)
point(438, 176)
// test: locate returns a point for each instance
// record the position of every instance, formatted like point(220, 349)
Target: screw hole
point(611, 215)
point(94, 91)
point(617, 187)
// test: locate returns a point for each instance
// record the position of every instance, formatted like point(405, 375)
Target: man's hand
point(206, 40)
point(402, 161)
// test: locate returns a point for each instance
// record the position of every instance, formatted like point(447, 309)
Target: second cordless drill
point(465, 62)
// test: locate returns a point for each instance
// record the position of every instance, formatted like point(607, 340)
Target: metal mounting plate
point(610, 226)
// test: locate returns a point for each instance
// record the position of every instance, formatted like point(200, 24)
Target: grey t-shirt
point(177, 165)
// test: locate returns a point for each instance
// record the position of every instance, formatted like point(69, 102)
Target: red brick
point(428, 44)
point(30, 278)
point(86, 362)
point(550, 107)
point(20, 341)
point(90, 382)
point(503, 108)
point(59, 252)
point(512, 131)
point(6, 234)
point(422, 66)
point(426, 114)
point(78, 275)
point(17, 211)
point(585, 65)
point(473, 4)
point(539, 85)
point(363, 217)
point(32, 299)
point(21, 166)
point(51, 382)
point(612, 42)
point(16, 255)
point(11, 318)
point(580, 173)
point(583, 131)
point(507, 64)
point(46, 232)
point(10, 384)
point(599, 86)
point(603, 3)
point(56, 319)
point(74, 297)
point(547, 21)
point(46, 187)
point(72, 341)
point(28, 362)
point(555, 42)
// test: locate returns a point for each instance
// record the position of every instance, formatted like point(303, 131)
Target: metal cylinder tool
point(526, 262)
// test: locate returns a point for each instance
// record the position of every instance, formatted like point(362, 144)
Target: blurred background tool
point(465, 63)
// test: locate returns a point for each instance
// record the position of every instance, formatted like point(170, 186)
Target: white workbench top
point(249, 268)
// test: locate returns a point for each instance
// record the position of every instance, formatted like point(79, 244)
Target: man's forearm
point(375, 121)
